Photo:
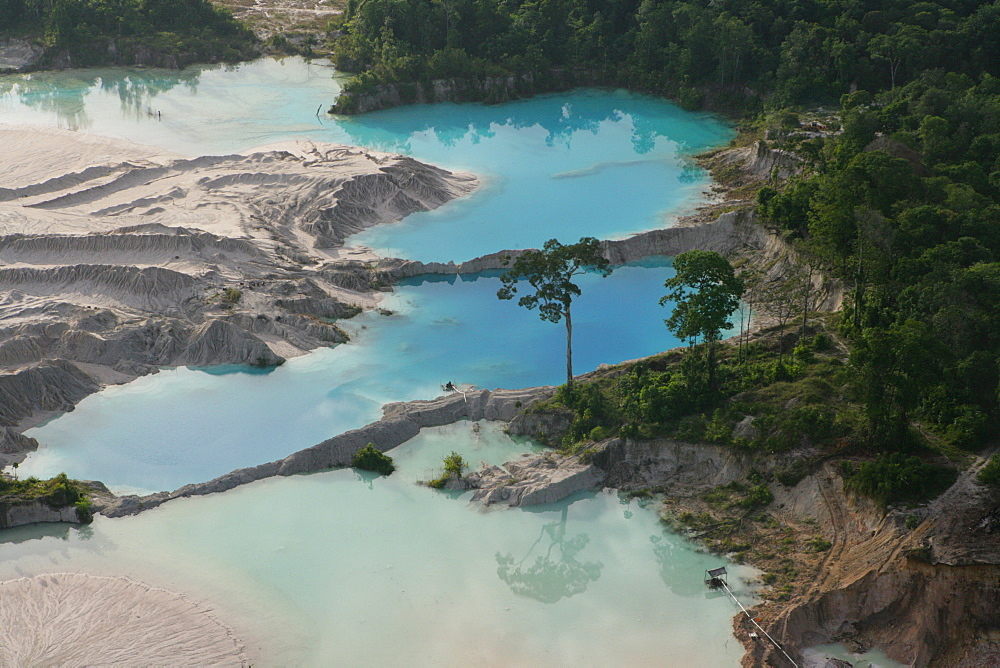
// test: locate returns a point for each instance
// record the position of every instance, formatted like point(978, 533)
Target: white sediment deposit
point(116, 259)
point(69, 619)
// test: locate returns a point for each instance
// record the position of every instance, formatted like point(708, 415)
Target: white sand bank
point(69, 619)
point(119, 258)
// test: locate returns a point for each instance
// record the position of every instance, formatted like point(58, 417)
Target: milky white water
point(344, 568)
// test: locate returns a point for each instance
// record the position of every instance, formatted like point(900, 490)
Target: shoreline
point(733, 233)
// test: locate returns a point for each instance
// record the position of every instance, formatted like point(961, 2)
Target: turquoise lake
point(594, 580)
point(587, 163)
point(184, 425)
point(343, 569)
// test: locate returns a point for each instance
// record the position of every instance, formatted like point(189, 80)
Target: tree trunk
point(569, 348)
point(739, 351)
point(806, 294)
point(711, 365)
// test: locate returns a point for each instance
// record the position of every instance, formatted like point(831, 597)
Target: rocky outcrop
point(32, 512)
point(14, 442)
point(52, 385)
point(18, 54)
point(150, 289)
point(760, 163)
point(219, 340)
point(533, 480)
point(395, 191)
point(923, 584)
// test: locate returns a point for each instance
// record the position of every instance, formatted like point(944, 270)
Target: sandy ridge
point(116, 259)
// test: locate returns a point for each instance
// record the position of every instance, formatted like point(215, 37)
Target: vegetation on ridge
point(57, 492)
point(729, 54)
point(85, 27)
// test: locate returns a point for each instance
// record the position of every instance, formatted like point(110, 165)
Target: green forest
point(721, 53)
point(899, 201)
point(170, 26)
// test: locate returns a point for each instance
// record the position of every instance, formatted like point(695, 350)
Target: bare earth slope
point(116, 258)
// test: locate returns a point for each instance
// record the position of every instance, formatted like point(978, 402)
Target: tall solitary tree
point(550, 273)
point(705, 291)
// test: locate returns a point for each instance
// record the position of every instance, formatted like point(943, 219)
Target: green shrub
point(453, 465)
point(895, 478)
point(369, 458)
point(990, 474)
point(231, 297)
point(756, 496)
point(821, 342)
point(599, 433)
point(818, 544)
point(83, 511)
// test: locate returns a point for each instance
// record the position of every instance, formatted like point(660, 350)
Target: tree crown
point(550, 272)
point(706, 291)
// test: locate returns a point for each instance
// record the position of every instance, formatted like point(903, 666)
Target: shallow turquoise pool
point(343, 568)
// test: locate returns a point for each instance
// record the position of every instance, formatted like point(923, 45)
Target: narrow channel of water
point(186, 425)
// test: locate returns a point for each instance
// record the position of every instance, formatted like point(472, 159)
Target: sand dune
point(122, 258)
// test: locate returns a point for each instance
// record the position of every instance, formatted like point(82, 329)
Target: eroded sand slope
point(116, 258)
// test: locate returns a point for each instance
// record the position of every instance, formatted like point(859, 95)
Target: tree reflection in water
point(63, 93)
point(549, 579)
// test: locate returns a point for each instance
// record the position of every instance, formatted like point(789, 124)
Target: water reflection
point(675, 567)
point(137, 90)
point(39, 530)
point(549, 579)
point(558, 121)
point(65, 96)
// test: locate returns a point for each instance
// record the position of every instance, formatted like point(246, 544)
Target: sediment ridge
point(399, 423)
point(118, 259)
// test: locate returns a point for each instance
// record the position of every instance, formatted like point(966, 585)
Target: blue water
point(586, 163)
point(349, 569)
point(590, 163)
point(183, 425)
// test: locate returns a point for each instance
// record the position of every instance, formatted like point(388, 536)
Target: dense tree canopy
point(903, 205)
point(185, 25)
point(736, 52)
